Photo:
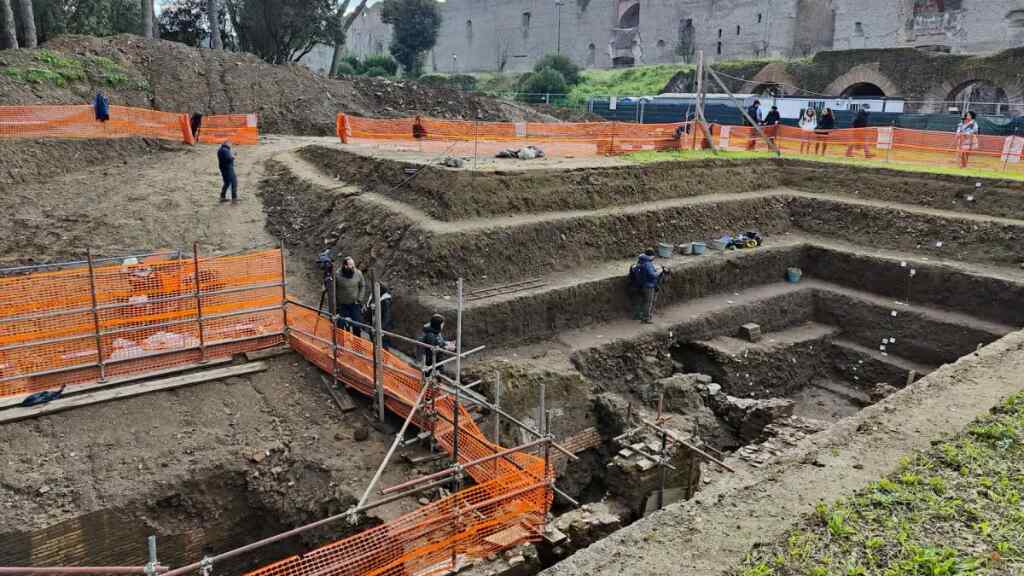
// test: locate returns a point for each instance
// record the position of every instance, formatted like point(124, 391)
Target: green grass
point(954, 510)
point(652, 156)
point(638, 81)
point(48, 67)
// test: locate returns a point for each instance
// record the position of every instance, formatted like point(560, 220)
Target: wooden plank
point(59, 405)
point(267, 353)
point(341, 399)
point(73, 389)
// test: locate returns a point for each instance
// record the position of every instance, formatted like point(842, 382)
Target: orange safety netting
point(134, 316)
point(80, 122)
point(888, 144)
point(506, 507)
point(487, 138)
point(234, 128)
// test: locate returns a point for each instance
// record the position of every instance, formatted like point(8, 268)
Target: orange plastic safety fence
point(73, 326)
point(506, 507)
point(886, 144)
point(234, 128)
point(80, 122)
point(487, 138)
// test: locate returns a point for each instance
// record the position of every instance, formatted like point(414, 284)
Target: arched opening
point(591, 55)
point(863, 90)
point(686, 44)
point(469, 31)
point(631, 17)
point(982, 96)
point(661, 48)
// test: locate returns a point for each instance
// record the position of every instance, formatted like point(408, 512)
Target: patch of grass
point(954, 510)
point(663, 156)
point(638, 81)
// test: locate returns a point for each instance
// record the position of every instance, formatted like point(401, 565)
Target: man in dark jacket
point(773, 117)
point(755, 114)
point(860, 121)
point(102, 105)
point(226, 161)
point(432, 336)
point(644, 278)
point(349, 292)
point(195, 123)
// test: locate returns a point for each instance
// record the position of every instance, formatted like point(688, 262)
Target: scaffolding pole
point(378, 354)
point(394, 446)
point(739, 106)
point(96, 318)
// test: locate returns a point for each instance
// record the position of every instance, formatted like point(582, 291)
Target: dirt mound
point(29, 160)
point(290, 99)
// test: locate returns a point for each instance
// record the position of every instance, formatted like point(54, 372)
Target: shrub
point(381, 61)
point(376, 72)
point(570, 72)
point(346, 69)
point(463, 82)
point(544, 81)
point(354, 63)
point(434, 79)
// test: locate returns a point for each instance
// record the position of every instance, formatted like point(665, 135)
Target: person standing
point(860, 122)
point(808, 124)
point(645, 275)
point(433, 337)
point(773, 117)
point(755, 115)
point(226, 161)
point(101, 104)
point(195, 122)
point(967, 137)
point(826, 123)
point(349, 294)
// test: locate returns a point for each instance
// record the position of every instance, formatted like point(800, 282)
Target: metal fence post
point(96, 319)
point(284, 293)
point(333, 307)
point(378, 352)
point(199, 302)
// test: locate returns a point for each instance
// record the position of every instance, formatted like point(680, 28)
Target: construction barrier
point(90, 322)
point(79, 122)
point(506, 506)
point(896, 145)
point(460, 137)
point(234, 128)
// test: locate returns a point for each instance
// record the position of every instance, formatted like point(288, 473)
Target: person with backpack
point(643, 281)
point(432, 336)
point(860, 122)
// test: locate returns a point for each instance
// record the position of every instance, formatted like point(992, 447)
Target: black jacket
point(861, 120)
point(225, 158)
point(772, 118)
point(827, 122)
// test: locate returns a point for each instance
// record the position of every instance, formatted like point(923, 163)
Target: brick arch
point(864, 73)
point(775, 73)
point(942, 91)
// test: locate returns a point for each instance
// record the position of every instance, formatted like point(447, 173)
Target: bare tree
point(147, 18)
point(348, 22)
point(10, 37)
point(28, 24)
point(213, 11)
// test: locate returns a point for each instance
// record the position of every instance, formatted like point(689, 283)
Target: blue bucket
point(698, 248)
point(664, 250)
point(793, 275)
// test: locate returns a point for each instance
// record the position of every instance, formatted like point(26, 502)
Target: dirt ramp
point(40, 160)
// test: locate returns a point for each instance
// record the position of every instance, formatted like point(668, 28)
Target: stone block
point(751, 332)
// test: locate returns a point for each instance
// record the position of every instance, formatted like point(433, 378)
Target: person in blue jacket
point(102, 105)
point(644, 277)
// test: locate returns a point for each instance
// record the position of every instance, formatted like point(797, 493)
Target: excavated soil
point(289, 99)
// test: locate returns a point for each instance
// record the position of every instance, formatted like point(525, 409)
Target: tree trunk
point(9, 38)
point(156, 21)
point(212, 13)
point(147, 18)
point(349, 21)
point(28, 24)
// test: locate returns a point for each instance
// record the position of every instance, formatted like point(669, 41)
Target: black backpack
point(635, 276)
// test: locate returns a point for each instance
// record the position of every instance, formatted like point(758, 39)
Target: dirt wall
point(450, 195)
point(924, 339)
point(934, 284)
point(40, 160)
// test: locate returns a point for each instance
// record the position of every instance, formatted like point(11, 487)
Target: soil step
point(771, 341)
point(898, 363)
